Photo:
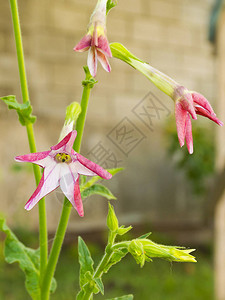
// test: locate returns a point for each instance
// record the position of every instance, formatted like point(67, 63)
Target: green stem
point(61, 230)
point(30, 133)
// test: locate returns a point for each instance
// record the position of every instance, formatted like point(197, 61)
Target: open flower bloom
point(188, 104)
point(95, 41)
point(62, 167)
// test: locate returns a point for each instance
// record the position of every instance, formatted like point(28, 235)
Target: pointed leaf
point(80, 295)
point(84, 185)
point(144, 236)
point(28, 259)
point(85, 260)
point(97, 189)
point(127, 297)
point(100, 285)
point(123, 230)
point(24, 110)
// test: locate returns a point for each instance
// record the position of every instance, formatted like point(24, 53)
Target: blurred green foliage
point(159, 280)
point(199, 166)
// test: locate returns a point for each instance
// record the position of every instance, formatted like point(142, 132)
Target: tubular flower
point(188, 104)
point(95, 41)
point(62, 167)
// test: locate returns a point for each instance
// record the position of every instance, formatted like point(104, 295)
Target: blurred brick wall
point(171, 35)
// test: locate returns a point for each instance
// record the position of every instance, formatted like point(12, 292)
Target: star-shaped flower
point(62, 167)
point(188, 104)
point(96, 40)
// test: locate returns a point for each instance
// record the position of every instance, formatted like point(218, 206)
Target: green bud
point(112, 221)
point(136, 249)
point(72, 113)
point(171, 253)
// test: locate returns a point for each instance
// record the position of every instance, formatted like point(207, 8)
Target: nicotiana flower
point(187, 103)
point(62, 167)
point(96, 41)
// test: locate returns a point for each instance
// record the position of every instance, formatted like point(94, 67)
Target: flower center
point(63, 157)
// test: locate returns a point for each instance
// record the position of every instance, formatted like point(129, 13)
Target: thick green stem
point(61, 230)
point(43, 236)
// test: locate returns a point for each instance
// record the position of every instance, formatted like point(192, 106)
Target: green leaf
point(80, 295)
point(99, 190)
point(84, 185)
point(116, 257)
point(28, 259)
point(127, 297)
point(24, 110)
point(123, 230)
point(100, 285)
point(110, 4)
point(86, 262)
point(83, 180)
point(144, 236)
point(89, 80)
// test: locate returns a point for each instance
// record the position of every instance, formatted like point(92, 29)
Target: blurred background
point(130, 123)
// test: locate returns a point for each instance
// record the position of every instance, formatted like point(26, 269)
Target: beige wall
point(171, 35)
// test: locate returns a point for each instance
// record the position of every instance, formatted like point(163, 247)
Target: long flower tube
point(187, 103)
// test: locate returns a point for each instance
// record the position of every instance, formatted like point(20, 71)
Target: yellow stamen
point(63, 158)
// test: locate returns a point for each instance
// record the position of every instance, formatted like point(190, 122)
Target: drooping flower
point(62, 167)
point(95, 41)
point(187, 103)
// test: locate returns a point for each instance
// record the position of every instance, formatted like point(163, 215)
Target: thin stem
point(61, 230)
point(43, 237)
point(19, 49)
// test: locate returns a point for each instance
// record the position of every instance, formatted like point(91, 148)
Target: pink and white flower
point(62, 167)
point(95, 41)
point(188, 104)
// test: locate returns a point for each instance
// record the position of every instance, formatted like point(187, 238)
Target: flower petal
point(69, 184)
point(35, 158)
point(81, 169)
point(188, 136)
point(92, 61)
point(181, 116)
point(66, 144)
point(103, 44)
point(83, 44)
point(202, 112)
point(187, 104)
point(103, 60)
point(93, 167)
point(48, 183)
point(202, 101)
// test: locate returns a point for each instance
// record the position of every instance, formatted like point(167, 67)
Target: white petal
point(67, 181)
point(48, 183)
point(77, 167)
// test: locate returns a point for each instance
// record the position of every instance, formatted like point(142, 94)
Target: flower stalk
point(43, 236)
point(88, 84)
